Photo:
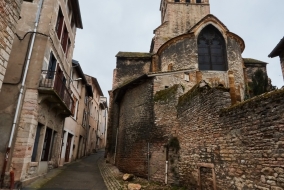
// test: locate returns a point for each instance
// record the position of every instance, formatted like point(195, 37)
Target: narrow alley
point(82, 175)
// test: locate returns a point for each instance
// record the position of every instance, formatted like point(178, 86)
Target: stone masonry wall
point(135, 123)
point(182, 55)
point(128, 69)
point(31, 115)
point(166, 126)
point(9, 11)
point(112, 129)
point(251, 69)
point(178, 19)
point(242, 144)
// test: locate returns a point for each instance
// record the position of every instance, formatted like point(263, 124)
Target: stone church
point(178, 113)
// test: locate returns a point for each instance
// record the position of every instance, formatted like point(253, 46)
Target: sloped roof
point(96, 83)
point(134, 54)
point(76, 66)
point(278, 49)
point(77, 13)
point(253, 61)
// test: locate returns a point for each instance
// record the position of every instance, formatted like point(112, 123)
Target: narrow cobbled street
point(82, 175)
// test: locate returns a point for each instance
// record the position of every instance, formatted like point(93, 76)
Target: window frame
point(211, 55)
point(59, 23)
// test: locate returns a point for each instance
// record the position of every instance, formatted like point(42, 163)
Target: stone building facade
point(252, 65)
point(97, 117)
point(169, 108)
point(102, 130)
point(256, 70)
point(76, 131)
point(39, 70)
point(10, 13)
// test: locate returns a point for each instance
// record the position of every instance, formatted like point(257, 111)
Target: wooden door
point(51, 67)
point(59, 84)
point(68, 147)
point(35, 148)
point(46, 145)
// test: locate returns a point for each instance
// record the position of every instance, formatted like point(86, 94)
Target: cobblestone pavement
point(108, 173)
point(80, 175)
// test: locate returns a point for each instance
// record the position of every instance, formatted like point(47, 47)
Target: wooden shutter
point(59, 23)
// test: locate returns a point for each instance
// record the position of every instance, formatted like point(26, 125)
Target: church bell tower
point(178, 17)
point(193, 8)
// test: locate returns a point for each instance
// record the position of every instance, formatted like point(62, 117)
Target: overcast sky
point(127, 25)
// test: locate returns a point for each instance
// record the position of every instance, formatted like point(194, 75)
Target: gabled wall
point(129, 68)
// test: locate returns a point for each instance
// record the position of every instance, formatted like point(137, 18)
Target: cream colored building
point(102, 129)
point(36, 88)
point(76, 129)
point(97, 117)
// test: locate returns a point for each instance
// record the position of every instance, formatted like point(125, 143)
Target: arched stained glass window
point(211, 50)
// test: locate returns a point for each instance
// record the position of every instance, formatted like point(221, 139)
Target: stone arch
point(212, 53)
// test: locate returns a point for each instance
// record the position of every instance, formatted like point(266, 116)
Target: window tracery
point(211, 50)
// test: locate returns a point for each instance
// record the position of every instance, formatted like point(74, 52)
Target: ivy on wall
point(259, 84)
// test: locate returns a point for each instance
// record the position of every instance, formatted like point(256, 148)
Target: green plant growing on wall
point(259, 84)
point(172, 160)
point(165, 95)
point(174, 144)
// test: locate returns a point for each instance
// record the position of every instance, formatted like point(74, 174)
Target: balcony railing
point(56, 81)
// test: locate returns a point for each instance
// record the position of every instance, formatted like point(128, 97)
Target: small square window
point(186, 77)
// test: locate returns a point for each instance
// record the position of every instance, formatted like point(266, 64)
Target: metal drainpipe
point(19, 102)
point(167, 164)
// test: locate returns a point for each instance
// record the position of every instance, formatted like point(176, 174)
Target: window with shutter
point(59, 23)
point(64, 40)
